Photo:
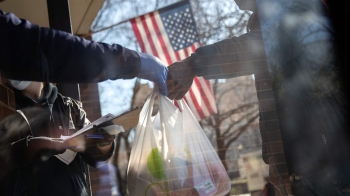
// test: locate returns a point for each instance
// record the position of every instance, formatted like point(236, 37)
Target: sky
point(116, 95)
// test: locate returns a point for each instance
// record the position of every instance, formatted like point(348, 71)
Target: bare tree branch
point(226, 132)
point(241, 108)
point(241, 130)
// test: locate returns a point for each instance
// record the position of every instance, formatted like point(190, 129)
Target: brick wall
point(245, 58)
point(272, 146)
point(91, 100)
point(7, 99)
point(99, 177)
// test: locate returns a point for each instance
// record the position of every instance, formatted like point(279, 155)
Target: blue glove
point(153, 69)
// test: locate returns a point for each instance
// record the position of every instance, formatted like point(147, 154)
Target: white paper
point(63, 137)
point(99, 121)
point(114, 129)
point(66, 157)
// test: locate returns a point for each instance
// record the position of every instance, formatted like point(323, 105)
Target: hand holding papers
point(103, 119)
point(111, 124)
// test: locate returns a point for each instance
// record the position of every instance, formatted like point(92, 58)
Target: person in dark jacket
point(32, 53)
point(291, 55)
point(53, 173)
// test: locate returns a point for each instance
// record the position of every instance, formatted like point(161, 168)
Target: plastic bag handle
point(150, 99)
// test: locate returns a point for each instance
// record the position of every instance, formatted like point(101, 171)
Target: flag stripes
point(153, 39)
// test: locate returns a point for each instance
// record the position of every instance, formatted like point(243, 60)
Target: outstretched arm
point(26, 48)
point(225, 59)
point(33, 53)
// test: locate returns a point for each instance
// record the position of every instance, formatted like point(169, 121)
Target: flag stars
point(180, 28)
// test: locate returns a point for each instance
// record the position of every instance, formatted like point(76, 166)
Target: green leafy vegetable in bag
point(155, 164)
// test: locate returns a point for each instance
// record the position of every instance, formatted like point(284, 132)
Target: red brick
point(237, 67)
point(265, 148)
point(274, 136)
point(264, 85)
point(260, 65)
point(93, 117)
point(282, 168)
point(93, 87)
point(237, 47)
point(11, 97)
point(215, 70)
point(244, 56)
point(90, 104)
point(270, 125)
point(265, 94)
point(87, 110)
point(285, 176)
point(1, 113)
point(257, 45)
point(88, 86)
point(262, 75)
point(2, 79)
point(279, 158)
point(276, 146)
point(102, 192)
point(267, 104)
point(90, 97)
point(269, 115)
point(96, 110)
point(3, 94)
point(250, 56)
point(6, 111)
point(263, 135)
point(83, 86)
point(96, 185)
point(220, 59)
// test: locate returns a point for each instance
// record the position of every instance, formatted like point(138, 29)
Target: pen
point(94, 136)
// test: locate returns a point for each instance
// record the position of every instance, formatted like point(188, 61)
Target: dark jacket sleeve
point(30, 52)
point(243, 55)
point(230, 58)
point(15, 152)
point(91, 155)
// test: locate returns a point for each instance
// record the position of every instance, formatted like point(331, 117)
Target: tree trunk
point(220, 142)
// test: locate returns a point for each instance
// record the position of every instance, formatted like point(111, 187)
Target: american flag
point(170, 34)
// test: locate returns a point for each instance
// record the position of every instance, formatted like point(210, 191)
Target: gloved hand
point(106, 138)
point(153, 69)
point(180, 79)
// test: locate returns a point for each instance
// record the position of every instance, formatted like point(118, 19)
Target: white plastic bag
point(171, 155)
